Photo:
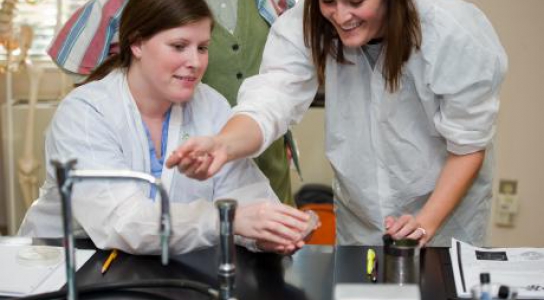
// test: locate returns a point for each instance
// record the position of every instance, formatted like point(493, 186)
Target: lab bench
point(309, 274)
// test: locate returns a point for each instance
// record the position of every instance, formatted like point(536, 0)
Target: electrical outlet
point(503, 219)
point(507, 203)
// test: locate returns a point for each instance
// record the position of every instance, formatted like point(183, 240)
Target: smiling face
point(356, 21)
point(167, 67)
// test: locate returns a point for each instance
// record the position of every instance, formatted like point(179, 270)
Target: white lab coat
point(387, 149)
point(100, 125)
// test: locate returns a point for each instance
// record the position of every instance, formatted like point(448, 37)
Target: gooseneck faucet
point(62, 170)
point(67, 175)
point(227, 267)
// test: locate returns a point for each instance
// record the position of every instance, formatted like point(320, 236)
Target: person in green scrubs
point(235, 53)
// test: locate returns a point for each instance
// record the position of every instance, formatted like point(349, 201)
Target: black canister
point(402, 263)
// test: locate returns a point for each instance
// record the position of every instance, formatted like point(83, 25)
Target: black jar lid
point(401, 248)
point(389, 241)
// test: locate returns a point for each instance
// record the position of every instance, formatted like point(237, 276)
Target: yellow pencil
point(108, 261)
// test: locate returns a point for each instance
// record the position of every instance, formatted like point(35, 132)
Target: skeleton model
point(6, 26)
point(11, 40)
point(16, 44)
point(28, 164)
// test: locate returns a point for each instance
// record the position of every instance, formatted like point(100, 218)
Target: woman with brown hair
point(411, 89)
point(236, 48)
point(132, 111)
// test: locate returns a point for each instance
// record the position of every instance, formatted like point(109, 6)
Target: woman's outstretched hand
point(199, 157)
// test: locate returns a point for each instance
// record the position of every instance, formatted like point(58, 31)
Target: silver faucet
point(227, 267)
point(66, 176)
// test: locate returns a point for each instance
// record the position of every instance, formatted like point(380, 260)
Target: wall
point(521, 130)
point(310, 138)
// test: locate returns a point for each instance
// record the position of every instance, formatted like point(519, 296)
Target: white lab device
point(353, 291)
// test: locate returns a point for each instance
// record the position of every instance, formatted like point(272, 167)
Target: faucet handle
point(227, 266)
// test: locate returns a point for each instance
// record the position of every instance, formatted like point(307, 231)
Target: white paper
point(519, 268)
point(363, 291)
point(18, 280)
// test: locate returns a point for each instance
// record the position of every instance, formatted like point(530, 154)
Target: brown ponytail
point(402, 36)
point(111, 63)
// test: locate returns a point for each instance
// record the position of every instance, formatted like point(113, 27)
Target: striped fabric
point(90, 34)
point(84, 41)
point(271, 9)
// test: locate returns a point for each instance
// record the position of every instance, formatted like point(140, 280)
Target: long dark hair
point(142, 19)
point(402, 30)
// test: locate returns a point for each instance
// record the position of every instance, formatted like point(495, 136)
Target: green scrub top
point(234, 57)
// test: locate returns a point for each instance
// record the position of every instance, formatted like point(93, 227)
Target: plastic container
point(489, 291)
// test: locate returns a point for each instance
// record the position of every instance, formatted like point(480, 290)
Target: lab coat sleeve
point(119, 214)
point(286, 84)
point(241, 179)
point(465, 68)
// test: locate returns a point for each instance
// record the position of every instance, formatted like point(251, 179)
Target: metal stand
point(227, 266)
point(65, 188)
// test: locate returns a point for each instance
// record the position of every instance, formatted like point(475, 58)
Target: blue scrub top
point(157, 163)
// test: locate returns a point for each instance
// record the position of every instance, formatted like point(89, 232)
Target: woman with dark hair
point(236, 48)
point(411, 89)
point(132, 111)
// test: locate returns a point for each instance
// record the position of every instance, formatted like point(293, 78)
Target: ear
point(136, 48)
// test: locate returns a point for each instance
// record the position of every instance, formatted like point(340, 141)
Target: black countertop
point(310, 274)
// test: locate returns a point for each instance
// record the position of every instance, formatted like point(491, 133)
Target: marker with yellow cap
point(371, 265)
